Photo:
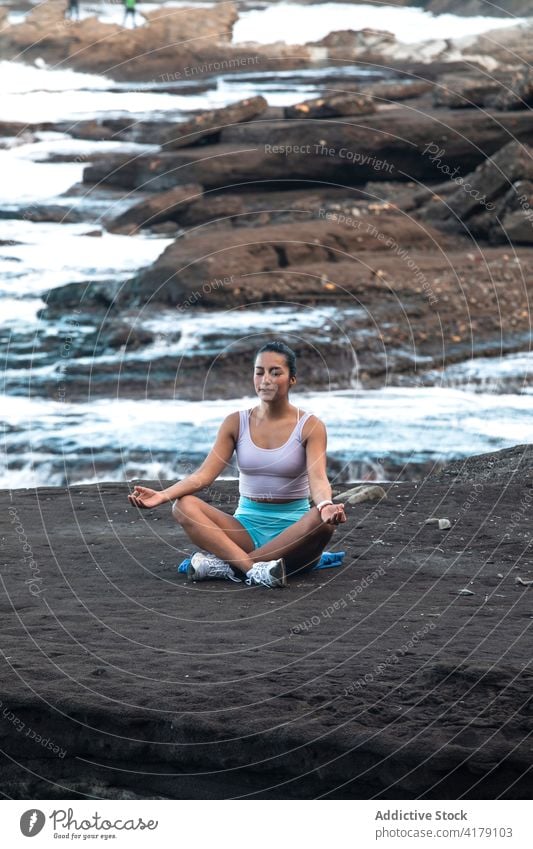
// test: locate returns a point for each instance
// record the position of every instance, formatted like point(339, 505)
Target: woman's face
point(271, 376)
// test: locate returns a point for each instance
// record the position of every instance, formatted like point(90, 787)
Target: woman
point(281, 454)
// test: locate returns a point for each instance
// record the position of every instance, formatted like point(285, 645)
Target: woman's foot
point(204, 566)
point(268, 574)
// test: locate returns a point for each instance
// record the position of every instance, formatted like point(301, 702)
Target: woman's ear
point(293, 379)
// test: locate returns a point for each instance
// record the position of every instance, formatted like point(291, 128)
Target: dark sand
point(375, 680)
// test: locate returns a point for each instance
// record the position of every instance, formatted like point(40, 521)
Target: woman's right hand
point(146, 498)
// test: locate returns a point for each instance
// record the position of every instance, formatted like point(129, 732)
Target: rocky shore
point(368, 200)
point(403, 674)
point(411, 219)
point(179, 44)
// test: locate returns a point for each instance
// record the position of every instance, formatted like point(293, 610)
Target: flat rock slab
point(379, 679)
point(162, 206)
point(332, 106)
point(210, 123)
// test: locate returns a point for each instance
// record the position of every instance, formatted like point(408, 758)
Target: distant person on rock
point(129, 12)
point(281, 455)
point(73, 10)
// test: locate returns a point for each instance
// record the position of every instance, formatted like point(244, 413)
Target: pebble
point(443, 524)
point(519, 580)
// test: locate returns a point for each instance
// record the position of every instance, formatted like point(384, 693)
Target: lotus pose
point(281, 454)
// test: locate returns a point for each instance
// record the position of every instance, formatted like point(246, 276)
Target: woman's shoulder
point(311, 425)
point(232, 422)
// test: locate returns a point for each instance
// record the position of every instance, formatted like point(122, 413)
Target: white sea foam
point(295, 24)
point(52, 255)
point(484, 369)
point(17, 78)
point(411, 425)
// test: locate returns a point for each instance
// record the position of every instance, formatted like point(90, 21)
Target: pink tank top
point(272, 472)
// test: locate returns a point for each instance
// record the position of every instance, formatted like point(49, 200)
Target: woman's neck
point(273, 409)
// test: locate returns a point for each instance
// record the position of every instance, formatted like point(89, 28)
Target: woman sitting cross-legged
point(281, 454)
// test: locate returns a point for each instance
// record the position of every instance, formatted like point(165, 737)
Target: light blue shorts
point(264, 521)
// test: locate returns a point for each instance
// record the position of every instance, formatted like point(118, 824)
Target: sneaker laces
point(218, 568)
point(261, 574)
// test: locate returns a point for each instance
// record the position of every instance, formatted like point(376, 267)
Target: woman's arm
point(215, 462)
point(314, 432)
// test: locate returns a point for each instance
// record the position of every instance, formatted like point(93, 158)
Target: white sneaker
point(269, 574)
point(204, 566)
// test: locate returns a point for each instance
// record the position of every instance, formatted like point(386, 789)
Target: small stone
point(464, 592)
point(522, 582)
point(444, 524)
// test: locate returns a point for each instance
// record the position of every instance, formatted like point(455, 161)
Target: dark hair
point(280, 348)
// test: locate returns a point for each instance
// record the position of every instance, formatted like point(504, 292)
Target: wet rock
point(499, 190)
point(92, 130)
point(116, 129)
point(101, 295)
point(208, 125)
point(17, 128)
point(515, 212)
point(498, 48)
point(57, 213)
point(150, 173)
point(165, 228)
point(396, 143)
point(332, 106)
point(391, 143)
point(222, 208)
point(361, 493)
point(465, 94)
point(140, 53)
point(191, 377)
point(503, 91)
point(213, 269)
point(161, 207)
point(114, 337)
point(391, 92)
point(516, 94)
point(355, 40)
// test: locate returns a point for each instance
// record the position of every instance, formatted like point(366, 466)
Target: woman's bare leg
point(213, 530)
point(300, 545)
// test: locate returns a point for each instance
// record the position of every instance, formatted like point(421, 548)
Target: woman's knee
point(182, 508)
point(328, 530)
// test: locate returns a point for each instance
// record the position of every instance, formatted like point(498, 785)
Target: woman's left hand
point(333, 514)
